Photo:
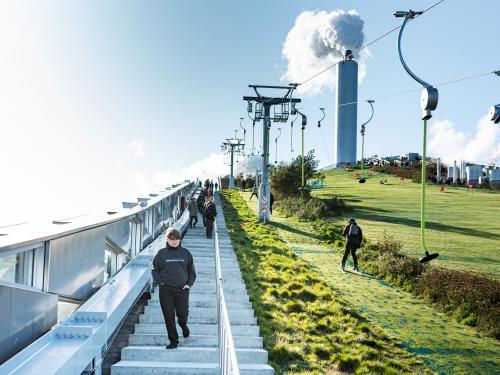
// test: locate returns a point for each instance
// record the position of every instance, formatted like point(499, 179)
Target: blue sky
point(104, 100)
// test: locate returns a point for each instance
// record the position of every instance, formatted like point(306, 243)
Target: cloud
point(248, 165)
point(450, 144)
point(318, 40)
point(137, 148)
point(211, 167)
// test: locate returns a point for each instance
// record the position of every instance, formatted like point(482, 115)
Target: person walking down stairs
point(173, 271)
point(193, 212)
point(209, 214)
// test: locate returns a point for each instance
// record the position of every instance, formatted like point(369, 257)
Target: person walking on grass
point(209, 215)
point(254, 192)
point(173, 271)
point(193, 212)
point(353, 234)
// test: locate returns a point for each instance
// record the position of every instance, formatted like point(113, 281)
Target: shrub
point(469, 298)
point(310, 208)
point(286, 178)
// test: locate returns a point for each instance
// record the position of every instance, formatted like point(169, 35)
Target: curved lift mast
point(428, 103)
point(363, 129)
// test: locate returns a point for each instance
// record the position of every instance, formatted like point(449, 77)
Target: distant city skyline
point(105, 101)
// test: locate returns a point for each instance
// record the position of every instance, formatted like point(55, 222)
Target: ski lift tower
point(281, 110)
point(232, 145)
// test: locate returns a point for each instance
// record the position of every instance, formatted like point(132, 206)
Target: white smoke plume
point(211, 167)
point(318, 40)
point(449, 144)
point(248, 165)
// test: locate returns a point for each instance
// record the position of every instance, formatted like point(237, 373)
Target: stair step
point(158, 318)
point(211, 302)
point(185, 368)
point(186, 354)
point(155, 339)
point(197, 329)
point(164, 368)
point(201, 311)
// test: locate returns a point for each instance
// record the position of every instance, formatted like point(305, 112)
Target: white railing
point(228, 361)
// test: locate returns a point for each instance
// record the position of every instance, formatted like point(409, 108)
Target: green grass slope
point(464, 228)
point(445, 346)
point(307, 327)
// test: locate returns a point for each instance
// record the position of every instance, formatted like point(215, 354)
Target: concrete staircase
point(199, 354)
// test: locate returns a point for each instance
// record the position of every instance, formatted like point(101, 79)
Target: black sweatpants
point(174, 301)
point(210, 226)
point(352, 249)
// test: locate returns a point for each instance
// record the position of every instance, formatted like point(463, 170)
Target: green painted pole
point(362, 152)
point(303, 182)
point(424, 184)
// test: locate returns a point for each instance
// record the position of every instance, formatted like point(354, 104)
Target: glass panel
point(11, 268)
point(107, 264)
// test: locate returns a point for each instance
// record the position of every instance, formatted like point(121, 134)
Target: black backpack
point(353, 236)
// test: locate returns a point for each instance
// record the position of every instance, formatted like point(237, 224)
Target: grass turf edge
point(306, 326)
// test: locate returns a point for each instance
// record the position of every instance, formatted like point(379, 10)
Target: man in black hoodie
point(173, 271)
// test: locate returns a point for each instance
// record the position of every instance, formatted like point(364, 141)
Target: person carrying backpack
point(254, 192)
point(209, 214)
point(354, 236)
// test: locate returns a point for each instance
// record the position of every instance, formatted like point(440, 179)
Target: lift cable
point(496, 72)
point(367, 45)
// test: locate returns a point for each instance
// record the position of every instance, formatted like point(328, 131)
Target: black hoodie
point(173, 266)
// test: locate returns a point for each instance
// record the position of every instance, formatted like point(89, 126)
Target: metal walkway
point(200, 353)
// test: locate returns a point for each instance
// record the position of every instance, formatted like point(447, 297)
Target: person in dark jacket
point(193, 212)
point(254, 192)
point(209, 215)
point(173, 271)
point(354, 236)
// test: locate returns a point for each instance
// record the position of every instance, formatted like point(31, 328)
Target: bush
point(286, 178)
point(311, 208)
point(469, 298)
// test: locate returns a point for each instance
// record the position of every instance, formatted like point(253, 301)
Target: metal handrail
point(228, 361)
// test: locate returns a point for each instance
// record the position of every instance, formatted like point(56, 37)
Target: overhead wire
point(368, 44)
point(399, 93)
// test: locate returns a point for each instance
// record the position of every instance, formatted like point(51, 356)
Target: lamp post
point(428, 103)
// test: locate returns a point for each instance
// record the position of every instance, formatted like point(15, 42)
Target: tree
point(286, 178)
